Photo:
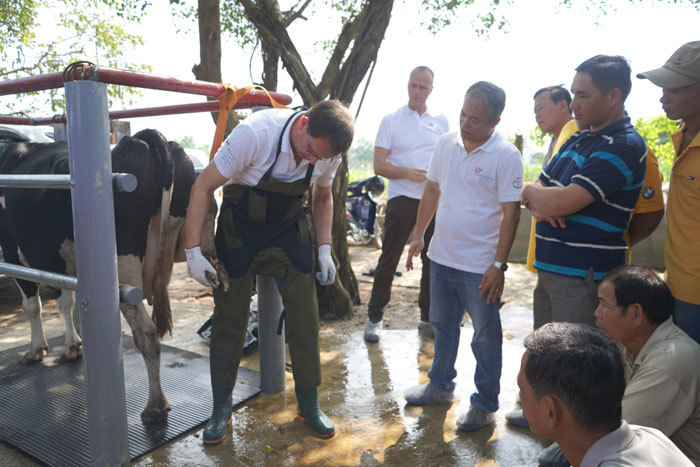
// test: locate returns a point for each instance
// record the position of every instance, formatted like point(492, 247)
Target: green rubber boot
point(220, 420)
point(311, 414)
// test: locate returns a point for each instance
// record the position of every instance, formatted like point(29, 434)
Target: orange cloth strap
point(227, 100)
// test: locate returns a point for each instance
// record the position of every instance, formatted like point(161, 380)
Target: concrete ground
point(362, 392)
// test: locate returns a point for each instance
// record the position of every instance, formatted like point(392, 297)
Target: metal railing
point(87, 122)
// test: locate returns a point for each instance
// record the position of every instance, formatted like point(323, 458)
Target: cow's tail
point(162, 315)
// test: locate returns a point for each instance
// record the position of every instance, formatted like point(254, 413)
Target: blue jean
point(687, 317)
point(451, 292)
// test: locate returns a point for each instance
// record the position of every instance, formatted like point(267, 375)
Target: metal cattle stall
point(98, 293)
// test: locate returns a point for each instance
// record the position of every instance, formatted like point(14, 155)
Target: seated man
point(571, 381)
point(663, 377)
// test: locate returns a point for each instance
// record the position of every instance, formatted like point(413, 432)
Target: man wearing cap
point(680, 80)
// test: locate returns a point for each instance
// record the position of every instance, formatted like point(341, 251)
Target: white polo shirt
point(250, 150)
point(633, 445)
point(472, 186)
point(410, 138)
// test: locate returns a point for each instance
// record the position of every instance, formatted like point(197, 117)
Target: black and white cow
point(36, 229)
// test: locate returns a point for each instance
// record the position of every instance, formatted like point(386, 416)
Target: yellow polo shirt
point(650, 198)
point(682, 249)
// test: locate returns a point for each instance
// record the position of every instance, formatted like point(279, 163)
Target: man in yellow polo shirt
point(680, 80)
point(649, 209)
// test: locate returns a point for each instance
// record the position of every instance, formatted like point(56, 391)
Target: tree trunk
point(271, 61)
point(209, 66)
point(340, 80)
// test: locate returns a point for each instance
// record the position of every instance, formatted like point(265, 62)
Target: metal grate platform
point(42, 406)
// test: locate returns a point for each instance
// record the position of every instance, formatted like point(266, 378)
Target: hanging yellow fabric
point(227, 100)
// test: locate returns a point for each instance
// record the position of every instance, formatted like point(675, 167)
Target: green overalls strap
point(265, 230)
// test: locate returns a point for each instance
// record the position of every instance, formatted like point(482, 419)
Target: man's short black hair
point(640, 284)
point(495, 97)
point(557, 94)
point(331, 119)
point(608, 72)
point(580, 366)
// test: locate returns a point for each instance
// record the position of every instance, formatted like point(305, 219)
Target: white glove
point(326, 275)
point(198, 267)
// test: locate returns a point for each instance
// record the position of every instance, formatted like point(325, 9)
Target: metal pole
point(62, 281)
point(272, 358)
point(96, 264)
point(60, 132)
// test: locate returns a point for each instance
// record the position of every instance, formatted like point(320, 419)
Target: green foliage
point(360, 159)
point(44, 36)
point(190, 142)
point(486, 14)
point(539, 137)
point(531, 172)
point(657, 132)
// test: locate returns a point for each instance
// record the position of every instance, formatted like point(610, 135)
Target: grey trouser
point(568, 299)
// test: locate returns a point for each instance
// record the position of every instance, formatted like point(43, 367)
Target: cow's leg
point(31, 304)
point(146, 339)
point(73, 345)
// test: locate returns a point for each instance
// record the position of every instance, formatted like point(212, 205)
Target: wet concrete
point(362, 392)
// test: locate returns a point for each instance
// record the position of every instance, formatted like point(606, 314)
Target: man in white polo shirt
point(402, 153)
point(474, 183)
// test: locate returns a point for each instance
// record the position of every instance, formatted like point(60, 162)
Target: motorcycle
point(361, 211)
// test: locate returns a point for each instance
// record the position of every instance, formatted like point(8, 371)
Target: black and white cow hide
point(36, 230)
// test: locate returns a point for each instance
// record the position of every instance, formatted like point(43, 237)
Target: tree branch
point(271, 29)
point(291, 15)
point(349, 32)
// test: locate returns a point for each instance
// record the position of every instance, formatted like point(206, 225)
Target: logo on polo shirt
point(479, 172)
point(518, 183)
point(647, 192)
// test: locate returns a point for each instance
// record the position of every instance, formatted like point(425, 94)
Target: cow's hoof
point(154, 415)
point(33, 356)
point(73, 352)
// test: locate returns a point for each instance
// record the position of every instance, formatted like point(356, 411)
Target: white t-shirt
point(410, 139)
point(472, 186)
point(250, 150)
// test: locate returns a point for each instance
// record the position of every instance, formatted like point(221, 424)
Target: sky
point(543, 44)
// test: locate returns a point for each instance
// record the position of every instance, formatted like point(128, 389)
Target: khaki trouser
point(230, 321)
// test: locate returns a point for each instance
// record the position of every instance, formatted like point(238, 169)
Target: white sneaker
point(474, 419)
point(372, 331)
point(425, 394)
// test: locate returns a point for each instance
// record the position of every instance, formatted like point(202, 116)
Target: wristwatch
point(502, 266)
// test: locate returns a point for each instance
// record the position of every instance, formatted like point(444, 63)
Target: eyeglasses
point(311, 151)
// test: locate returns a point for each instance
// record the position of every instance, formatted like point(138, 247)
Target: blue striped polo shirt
point(610, 164)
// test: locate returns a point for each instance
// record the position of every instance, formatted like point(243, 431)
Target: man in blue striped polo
point(586, 193)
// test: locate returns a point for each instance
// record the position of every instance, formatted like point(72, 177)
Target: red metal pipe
point(32, 83)
point(209, 106)
point(127, 78)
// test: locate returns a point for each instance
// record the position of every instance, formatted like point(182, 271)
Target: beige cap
point(682, 69)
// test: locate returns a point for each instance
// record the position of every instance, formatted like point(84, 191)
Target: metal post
point(60, 132)
point(96, 264)
point(272, 358)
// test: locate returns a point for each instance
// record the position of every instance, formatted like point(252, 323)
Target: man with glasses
point(267, 164)
point(402, 153)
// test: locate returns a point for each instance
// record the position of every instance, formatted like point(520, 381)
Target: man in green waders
point(266, 165)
